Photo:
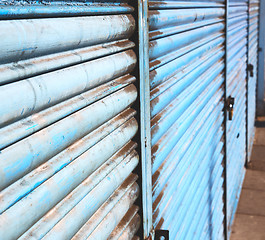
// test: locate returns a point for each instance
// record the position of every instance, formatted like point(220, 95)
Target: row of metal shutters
point(243, 46)
point(67, 154)
point(66, 122)
point(187, 55)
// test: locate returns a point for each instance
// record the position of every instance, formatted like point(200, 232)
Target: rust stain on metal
point(154, 63)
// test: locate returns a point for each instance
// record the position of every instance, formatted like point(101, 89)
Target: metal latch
point(161, 234)
point(230, 107)
point(250, 68)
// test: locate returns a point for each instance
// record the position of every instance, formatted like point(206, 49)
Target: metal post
point(225, 124)
point(145, 117)
point(261, 61)
point(247, 80)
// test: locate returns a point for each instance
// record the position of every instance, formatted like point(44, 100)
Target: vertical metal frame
point(145, 120)
point(225, 123)
point(247, 80)
point(261, 62)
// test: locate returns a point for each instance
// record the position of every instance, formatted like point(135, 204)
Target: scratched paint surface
point(253, 59)
point(243, 42)
point(187, 87)
point(67, 152)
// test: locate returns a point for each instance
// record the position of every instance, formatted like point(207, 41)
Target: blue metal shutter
point(66, 122)
point(253, 60)
point(236, 88)
point(187, 89)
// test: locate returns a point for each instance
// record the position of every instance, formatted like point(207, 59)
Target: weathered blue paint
point(171, 68)
point(41, 36)
point(170, 44)
point(44, 144)
point(187, 64)
point(236, 88)
point(66, 132)
point(59, 10)
point(18, 190)
point(42, 91)
point(79, 170)
point(261, 61)
point(14, 71)
point(145, 117)
point(255, 86)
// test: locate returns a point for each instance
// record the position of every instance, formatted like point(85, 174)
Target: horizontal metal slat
point(164, 4)
point(128, 225)
point(32, 38)
point(57, 9)
point(28, 68)
point(165, 18)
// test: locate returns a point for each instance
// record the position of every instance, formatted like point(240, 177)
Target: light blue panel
point(253, 46)
point(187, 89)
point(66, 122)
point(237, 84)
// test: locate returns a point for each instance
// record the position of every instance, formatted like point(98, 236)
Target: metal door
point(187, 55)
point(66, 149)
point(236, 89)
point(253, 69)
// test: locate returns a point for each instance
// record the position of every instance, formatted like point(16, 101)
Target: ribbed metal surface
point(236, 88)
point(253, 59)
point(187, 89)
point(66, 122)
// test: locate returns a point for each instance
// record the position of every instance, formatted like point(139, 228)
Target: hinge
point(260, 49)
point(250, 68)
point(161, 234)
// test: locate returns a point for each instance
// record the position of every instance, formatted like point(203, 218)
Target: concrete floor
point(250, 217)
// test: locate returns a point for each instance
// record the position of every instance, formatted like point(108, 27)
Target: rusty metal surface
point(13, 9)
point(186, 79)
point(67, 155)
point(145, 117)
point(253, 46)
point(236, 87)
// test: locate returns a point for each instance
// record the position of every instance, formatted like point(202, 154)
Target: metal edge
point(145, 118)
point(225, 221)
point(261, 77)
point(247, 80)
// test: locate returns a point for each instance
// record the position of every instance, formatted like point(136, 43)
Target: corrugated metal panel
point(236, 88)
point(187, 89)
point(66, 149)
point(252, 79)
